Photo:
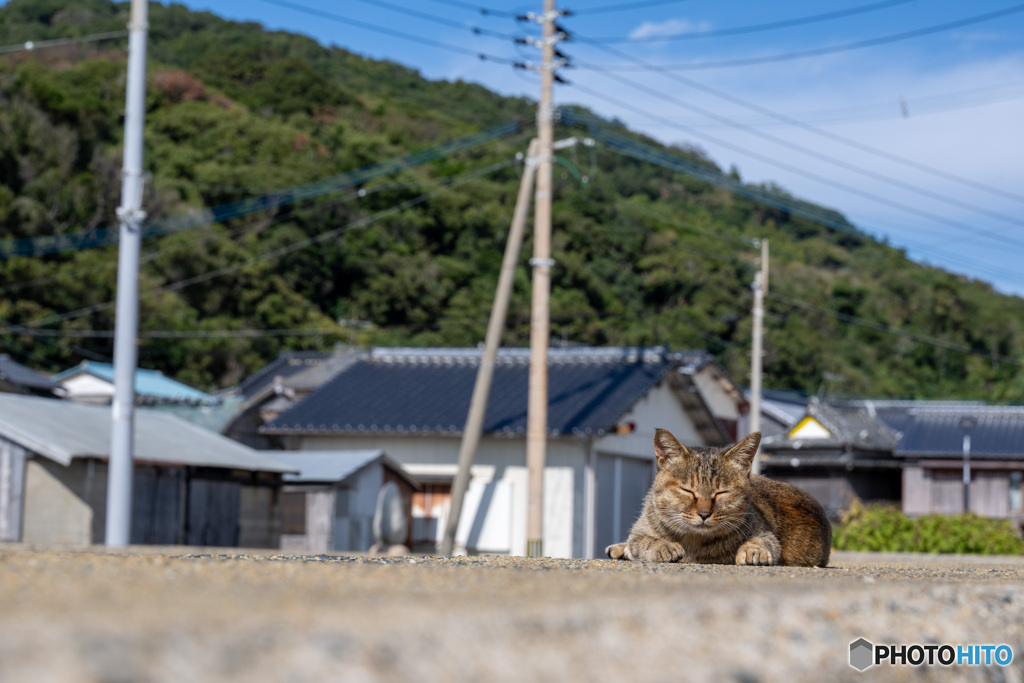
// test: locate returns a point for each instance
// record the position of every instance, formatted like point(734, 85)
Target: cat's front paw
point(659, 551)
point(754, 554)
point(618, 551)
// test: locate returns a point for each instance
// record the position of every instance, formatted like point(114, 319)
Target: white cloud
point(672, 27)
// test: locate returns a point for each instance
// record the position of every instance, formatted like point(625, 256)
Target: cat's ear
point(743, 453)
point(667, 447)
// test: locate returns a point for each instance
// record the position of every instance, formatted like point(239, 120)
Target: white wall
point(712, 386)
point(498, 459)
point(659, 409)
point(86, 387)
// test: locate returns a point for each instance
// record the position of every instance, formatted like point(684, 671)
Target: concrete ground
point(182, 614)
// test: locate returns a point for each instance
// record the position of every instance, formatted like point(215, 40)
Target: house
point(92, 382)
point(15, 378)
point(932, 449)
point(330, 501)
point(275, 388)
point(190, 486)
point(780, 411)
point(604, 406)
point(837, 452)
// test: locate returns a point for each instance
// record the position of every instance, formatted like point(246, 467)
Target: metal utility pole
point(126, 328)
point(482, 388)
point(537, 407)
point(967, 424)
point(760, 288)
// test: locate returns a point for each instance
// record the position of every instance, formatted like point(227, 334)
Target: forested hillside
point(644, 255)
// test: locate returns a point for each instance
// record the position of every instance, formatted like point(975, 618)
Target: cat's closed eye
point(720, 493)
point(687, 491)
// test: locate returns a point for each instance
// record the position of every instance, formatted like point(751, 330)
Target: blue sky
point(916, 139)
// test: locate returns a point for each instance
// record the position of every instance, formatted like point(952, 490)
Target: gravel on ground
point(186, 614)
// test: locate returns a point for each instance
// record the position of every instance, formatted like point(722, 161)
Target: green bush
point(884, 528)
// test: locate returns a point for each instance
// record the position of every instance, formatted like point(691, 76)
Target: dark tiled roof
point(20, 376)
point(999, 433)
point(429, 390)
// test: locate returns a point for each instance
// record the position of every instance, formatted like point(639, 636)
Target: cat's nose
point(704, 515)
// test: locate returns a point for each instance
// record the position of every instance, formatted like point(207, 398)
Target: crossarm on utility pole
point(482, 389)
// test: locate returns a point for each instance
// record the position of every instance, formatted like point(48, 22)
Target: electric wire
point(753, 28)
point(788, 167)
point(817, 52)
point(789, 120)
point(267, 256)
point(624, 145)
point(31, 45)
point(52, 244)
point(627, 6)
point(330, 16)
point(441, 20)
point(486, 11)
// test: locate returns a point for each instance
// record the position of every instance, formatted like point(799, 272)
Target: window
point(1015, 491)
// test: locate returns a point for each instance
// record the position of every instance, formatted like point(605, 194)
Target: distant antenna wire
point(816, 52)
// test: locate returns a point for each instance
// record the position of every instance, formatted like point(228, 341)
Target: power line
point(817, 52)
point(888, 329)
point(765, 111)
point(627, 6)
point(273, 254)
point(882, 111)
point(30, 45)
point(486, 11)
point(52, 244)
point(442, 21)
point(389, 32)
point(753, 28)
point(623, 145)
point(164, 250)
point(789, 167)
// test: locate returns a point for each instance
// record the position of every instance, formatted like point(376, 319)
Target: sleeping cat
point(705, 506)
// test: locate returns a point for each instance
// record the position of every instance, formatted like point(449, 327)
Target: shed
point(190, 487)
point(330, 502)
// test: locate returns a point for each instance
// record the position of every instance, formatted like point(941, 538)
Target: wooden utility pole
point(760, 288)
point(126, 325)
point(482, 389)
point(537, 408)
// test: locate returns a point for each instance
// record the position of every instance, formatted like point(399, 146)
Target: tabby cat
point(705, 506)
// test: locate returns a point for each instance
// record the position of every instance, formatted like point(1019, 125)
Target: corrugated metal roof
point(147, 382)
point(21, 376)
point(335, 466)
point(65, 430)
point(429, 390)
point(999, 433)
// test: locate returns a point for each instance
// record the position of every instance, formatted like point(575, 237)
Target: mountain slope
point(645, 255)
